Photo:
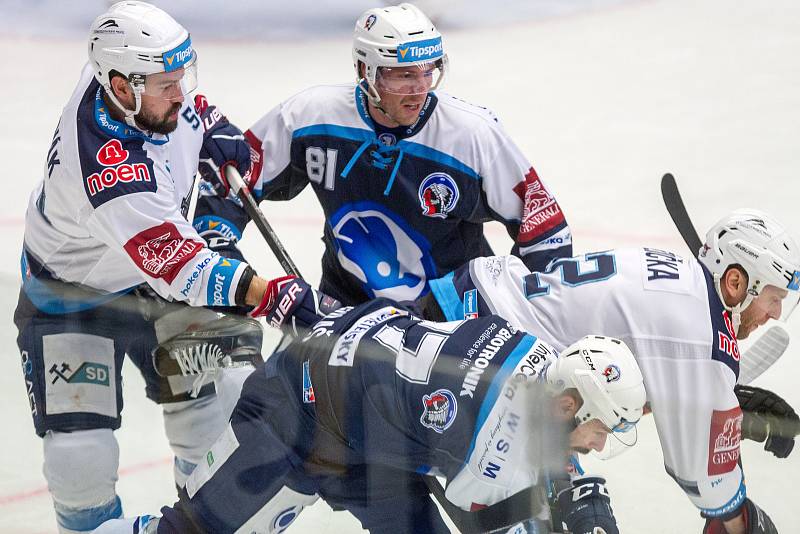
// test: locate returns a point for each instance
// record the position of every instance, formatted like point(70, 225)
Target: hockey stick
point(677, 211)
point(764, 352)
point(770, 346)
point(251, 207)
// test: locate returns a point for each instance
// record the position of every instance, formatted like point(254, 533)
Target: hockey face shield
point(178, 79)
point(416, 79)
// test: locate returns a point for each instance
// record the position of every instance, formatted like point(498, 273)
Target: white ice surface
point(603, 102)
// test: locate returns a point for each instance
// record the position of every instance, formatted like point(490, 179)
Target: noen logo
point(420, 50)
point(112, 153)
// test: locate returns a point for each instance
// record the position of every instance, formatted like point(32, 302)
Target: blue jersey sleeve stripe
point(446, 295)
point(510, 363)
point(730, 506)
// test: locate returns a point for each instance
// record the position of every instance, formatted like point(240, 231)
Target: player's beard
point(160, 125)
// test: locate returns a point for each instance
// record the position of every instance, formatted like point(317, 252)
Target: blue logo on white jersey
point(376, 246)
point(219, 283)
point(420, 50)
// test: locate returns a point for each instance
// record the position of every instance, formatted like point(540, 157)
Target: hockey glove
point(756, 521)
point(768, 417)
point(290, 303)
point(586, 505)
point(223, 144)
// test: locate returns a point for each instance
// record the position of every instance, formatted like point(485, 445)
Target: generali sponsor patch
point(724, 439)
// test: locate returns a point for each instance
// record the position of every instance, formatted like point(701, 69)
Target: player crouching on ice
point(369, 397)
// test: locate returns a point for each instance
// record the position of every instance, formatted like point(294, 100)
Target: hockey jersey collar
point(116, 128)
point(400, 132)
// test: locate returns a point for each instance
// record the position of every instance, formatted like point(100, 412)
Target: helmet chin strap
point(129, 115)
point(375, 99)
point(735, 311)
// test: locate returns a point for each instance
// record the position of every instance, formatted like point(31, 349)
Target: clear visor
point(618, 441)
point(168, 85)
point(776, 303)
point(411, 80)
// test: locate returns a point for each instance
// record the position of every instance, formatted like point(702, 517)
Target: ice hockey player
point(681, 318)
point(109, 216)
point(372, 396)
point(406, 175)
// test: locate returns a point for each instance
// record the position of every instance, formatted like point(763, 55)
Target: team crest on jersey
point(724, 439)
point(308, 389)
point(387, 139)
point(438, 195)
point(438, 410)
point(612, 373)
point(370, 22)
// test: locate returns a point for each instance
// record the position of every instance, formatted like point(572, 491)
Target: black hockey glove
point(768, 417)
point(223, 144)
point(586, 505)
point(756, 521)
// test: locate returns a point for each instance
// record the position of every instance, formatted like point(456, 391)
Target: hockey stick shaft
point(677, 211)
point(251, 207)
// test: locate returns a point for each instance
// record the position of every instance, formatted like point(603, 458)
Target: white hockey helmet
point(605, 373)
point(395, 37)
point(760, 245)
point(137, 39)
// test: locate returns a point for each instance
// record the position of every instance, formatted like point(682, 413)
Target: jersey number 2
point(574, 272)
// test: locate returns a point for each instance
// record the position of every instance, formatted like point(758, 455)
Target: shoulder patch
point(723, 442)
point(116, 169)
point(161, 251)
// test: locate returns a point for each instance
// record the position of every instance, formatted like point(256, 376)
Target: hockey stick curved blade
point(763, 354)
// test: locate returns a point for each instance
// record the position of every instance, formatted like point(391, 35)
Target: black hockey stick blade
point(676, 209)
point(251, 207)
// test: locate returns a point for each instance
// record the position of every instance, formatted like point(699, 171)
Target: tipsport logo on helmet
point(420, 50)
point(178, 56)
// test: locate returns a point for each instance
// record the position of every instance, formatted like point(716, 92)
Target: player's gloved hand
point(586, 505)
point(289, 302)
point(223, 144)
point(768, 417)
point(756, 521)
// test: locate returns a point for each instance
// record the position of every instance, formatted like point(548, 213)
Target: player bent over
point(682, 318)
point(372, 396)
point(105, 232)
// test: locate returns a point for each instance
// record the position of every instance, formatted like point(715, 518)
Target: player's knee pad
point(81, 472)
point(191, 428)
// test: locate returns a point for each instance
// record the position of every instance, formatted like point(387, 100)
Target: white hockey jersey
point(403, 205)
point(667, 311)
point(110, 213)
